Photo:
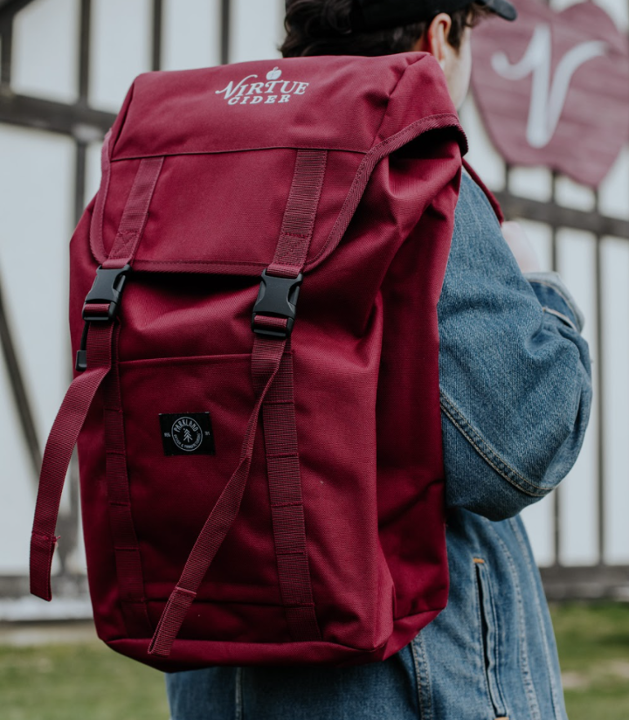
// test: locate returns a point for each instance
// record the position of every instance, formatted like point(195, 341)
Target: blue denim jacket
point(515, 399)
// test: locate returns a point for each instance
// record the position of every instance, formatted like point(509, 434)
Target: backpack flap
point(230, 152)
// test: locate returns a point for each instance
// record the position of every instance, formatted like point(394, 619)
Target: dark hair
point(321, 27)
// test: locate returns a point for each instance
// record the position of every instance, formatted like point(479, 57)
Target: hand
point(521, 247)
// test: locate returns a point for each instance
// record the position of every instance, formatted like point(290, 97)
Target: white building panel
point(540, 526)
point(256, 29)
point(570, 194)
point(92, 171)
point(17, 489)
point(120, 49)
point(535, 183)
point(540, 236)
point(615, 290)
point(36, 185)
point(191, 34)
point(578, 492)
point(45, 50)
point(482, 155)
point(36, 227)
point(614, 190)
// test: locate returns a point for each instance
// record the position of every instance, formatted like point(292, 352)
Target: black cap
point(371, 15)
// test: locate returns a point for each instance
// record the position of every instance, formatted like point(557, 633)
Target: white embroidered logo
point(273, 91)
point(187, 434)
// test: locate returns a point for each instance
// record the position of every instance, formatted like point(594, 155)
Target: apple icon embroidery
point(275, 74)
point(553, 88)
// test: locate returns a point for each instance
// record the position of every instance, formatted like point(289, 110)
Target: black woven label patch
point(187, 434)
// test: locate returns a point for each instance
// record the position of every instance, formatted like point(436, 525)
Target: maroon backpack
point(256, 400)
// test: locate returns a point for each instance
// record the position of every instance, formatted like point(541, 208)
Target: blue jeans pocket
point(490, 637)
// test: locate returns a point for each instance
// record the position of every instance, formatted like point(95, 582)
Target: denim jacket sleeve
point(515, 371)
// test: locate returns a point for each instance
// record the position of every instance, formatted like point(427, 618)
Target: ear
point(435, 39)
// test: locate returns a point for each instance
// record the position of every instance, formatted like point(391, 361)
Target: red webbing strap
point(278, 413)
point(63, 436)
point(80, 394)
point(301, 212)
point(135, 214)
point(287, 511)
point(268, 354)
point(127, 551)
point(493, 201)
point(267, 358)
point(129, 571)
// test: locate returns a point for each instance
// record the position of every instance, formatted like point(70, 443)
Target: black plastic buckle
point(278, 298)
point(106, 290)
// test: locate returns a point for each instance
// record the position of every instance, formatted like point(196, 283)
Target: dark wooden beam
point(76, 120)
point(10, 7)
point(15, 587)
point(18, 388)
point(6, 51)
point(602, 582)
point(561, 217)
point(84, 49)
point(225, 31)
point(158, 13)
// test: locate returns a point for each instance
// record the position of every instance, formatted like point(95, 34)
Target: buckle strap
point(281, 281)
point(63, 436)
point(101, 303)
point(277, 301)
point(101, 306)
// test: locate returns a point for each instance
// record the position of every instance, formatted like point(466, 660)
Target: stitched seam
point(484, 576)
point(484, 641)
point(420, 663)
point(552, 287)
point(484, 199)
point(486, 452)
point(527, 560)
point(524, 657)
point(205, 262)
point(238, 709)
point(368, 163)
point(385, 113)
point(226, 151)
point(561, 316)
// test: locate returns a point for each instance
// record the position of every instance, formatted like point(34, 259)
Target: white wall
point(36, 201)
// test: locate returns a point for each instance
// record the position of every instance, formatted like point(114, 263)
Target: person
point(515, 399)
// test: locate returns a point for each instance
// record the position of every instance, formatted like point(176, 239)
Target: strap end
point(42, 552)
point(170, 623)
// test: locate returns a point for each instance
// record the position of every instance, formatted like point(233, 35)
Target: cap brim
point(503, 8)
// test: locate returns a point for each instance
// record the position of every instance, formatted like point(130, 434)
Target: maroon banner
point(553, 88)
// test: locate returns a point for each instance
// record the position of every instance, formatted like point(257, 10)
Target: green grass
point(84, 681)
point(593, 643)
point(87, 681)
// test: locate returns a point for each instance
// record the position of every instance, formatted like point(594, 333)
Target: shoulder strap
point(493, 201)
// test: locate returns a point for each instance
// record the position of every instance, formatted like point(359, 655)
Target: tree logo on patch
point(187, 434)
